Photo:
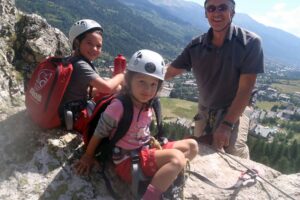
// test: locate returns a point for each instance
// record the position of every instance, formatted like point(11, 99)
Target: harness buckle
point(134, 156)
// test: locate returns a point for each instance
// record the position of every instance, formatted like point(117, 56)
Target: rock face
point(37, 164)
point(25, 40)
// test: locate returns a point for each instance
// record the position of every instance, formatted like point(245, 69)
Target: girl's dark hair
point(80, 37)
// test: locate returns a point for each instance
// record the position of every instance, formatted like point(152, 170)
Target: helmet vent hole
point(139, 55)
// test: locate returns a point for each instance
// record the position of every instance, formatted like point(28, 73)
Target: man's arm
point(241, 100)
point(172, 72)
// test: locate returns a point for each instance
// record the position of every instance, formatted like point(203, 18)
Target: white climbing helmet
point(82, 26)
point(147, 62)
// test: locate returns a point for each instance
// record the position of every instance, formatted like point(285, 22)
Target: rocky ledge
point(37, 164)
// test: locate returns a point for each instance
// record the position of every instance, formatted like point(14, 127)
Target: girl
point(143, 80)
point(86, 39)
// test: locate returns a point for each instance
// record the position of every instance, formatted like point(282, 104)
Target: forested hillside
point(126, 29)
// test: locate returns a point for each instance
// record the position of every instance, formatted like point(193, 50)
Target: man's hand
point(221, 137)
point(172, 71)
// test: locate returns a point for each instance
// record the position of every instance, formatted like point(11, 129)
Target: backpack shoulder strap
point(125, 120)
point(74, 59)
point(127, 117)
point(156, 105)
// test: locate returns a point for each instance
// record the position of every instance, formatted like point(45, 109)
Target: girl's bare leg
point(189, 147)
point(170, 163)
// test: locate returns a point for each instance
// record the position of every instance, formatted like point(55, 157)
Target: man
point(225, 62)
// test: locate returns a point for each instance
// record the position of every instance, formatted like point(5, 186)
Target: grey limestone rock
point(25, 40)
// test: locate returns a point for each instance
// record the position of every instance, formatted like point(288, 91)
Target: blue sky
point(283, 14)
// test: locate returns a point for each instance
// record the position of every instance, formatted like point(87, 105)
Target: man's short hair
point(232, 1)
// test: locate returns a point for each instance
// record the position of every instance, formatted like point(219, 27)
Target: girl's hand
point(85, 164)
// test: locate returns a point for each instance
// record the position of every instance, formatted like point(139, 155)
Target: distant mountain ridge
point(278, 45)
point(126, 28)
point(165, 26)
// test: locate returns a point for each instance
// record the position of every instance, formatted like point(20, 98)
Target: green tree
point(296, 117)
point(277, 153)
point(274, 108)
point(268, 152)
point(251, 142)
point(283, 165)
point(290, 135)
point(285, 151)
point(257, 149)
point(294, 150)
point(175, 131)
point(297, 165)
point(269, 121)
point(265, 160)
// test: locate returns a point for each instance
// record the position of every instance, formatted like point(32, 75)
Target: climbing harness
point(137, 174)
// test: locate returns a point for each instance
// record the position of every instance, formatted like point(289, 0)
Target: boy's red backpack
point(46, 89)
point(88, 116)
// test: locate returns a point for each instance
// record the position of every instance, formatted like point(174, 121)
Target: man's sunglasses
point(219, 8)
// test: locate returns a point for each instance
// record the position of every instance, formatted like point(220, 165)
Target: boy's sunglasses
point(213, 8)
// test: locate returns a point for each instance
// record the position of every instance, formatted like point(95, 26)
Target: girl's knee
point(193, 145)
point(193, 148)
point(178, 159)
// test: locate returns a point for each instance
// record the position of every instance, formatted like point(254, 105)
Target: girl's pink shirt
point(139, 131)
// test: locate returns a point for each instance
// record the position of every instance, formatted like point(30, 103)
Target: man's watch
point(229, 124)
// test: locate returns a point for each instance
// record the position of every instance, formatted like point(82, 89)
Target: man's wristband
point(229, 124)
